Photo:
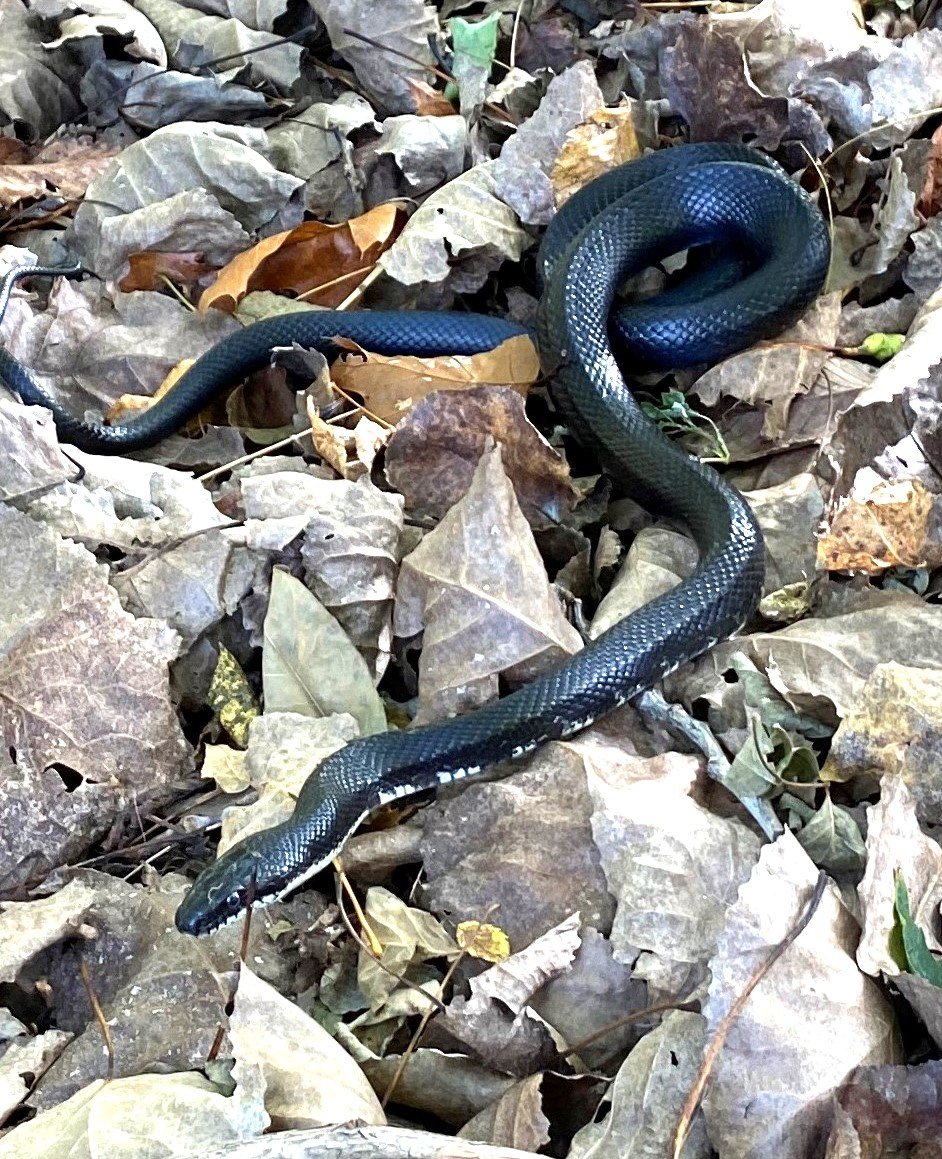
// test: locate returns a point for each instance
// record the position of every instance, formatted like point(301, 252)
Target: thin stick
point(375, 944)
point(627, 1019)
point(99, 1014)
point(358, 291)
point(368, 950)
point(716, 1043)
point(360, 407)
point(419, 1030)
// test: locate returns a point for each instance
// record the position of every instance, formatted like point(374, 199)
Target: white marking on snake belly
point(396, 792)
point(577, 726)
point(521, 750)
point(312, 870)
point(446, 776)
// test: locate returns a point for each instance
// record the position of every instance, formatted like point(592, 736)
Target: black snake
point(767, 253)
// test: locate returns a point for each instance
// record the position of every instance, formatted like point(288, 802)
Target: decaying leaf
point(482, 940)
point(433, 453)
point(232, 699)
point(84, 701)
point(883, 525)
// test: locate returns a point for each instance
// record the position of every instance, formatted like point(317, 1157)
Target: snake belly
point(767, 251)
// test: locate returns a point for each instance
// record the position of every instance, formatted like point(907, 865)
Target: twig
point(716, 1043)
point(419, 1030)
point(99, 1013)
point(367, 949)
point(375, 944)
point(627, 1019)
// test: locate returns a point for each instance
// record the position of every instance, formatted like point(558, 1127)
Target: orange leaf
point(888, 527)
point(390, 386)
point(605, 139)
point(183, 269)
point(324, 263)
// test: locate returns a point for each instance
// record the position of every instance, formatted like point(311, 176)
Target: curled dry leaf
point(408, 936)
point(325, 263)
point(883, 525)
point(497, 1023)
point(432, 455)
point(390, 386)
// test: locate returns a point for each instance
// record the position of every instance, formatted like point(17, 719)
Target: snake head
point(252, 871)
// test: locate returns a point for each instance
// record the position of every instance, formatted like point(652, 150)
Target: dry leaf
point(477, 586)
point(310, 1080)
point(150, 268)
point(895, 728)
point(601, 143)
point(389, 386)
point(883, 526)
point(433, 454)
point(67, 177)
point(895, 843)
point(309, 665)
point(813, 1018)
point(325, 263)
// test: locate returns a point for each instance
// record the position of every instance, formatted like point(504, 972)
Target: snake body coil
point(769, 256)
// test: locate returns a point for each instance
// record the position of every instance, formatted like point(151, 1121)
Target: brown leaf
point(322, 262)
point(887, 527)
point(67, 176)
point(929, 202)
point(605, 140)
point(149, 268)
point(525, 843)
point(428, 101)
point(390, 386)
point(433, 453)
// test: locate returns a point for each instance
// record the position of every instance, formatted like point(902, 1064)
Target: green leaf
point(309, 665)
point(919, 958)
point(752, 773)
point(474, 42)
point(882, 347)
point(793, 762)
point(832, 839)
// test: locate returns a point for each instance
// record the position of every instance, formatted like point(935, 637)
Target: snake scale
point(764, 255)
